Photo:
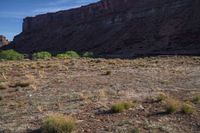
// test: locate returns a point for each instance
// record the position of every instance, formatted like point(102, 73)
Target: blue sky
point(12, 12)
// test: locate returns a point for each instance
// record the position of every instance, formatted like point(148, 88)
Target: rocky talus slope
point(3, 41)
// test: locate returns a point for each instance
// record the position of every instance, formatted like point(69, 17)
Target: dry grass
point(187, 108)
point(22, 84)
point(172, 105)
point(196, 99)
point(57, 123)
point(120, 107)
point(101, 94)
point(161, 97)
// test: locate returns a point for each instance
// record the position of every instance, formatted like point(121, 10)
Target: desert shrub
point(117, 108)
point(62, 56)
point(160, 97)
point(72, 54)
point(135, 131)
point(172, 106)
point(196, 99)
point(11, 55)
point(88, 55)
point(68, 54)
point(120, 107)
point(22, 84)
point(41, 55)
point(187, 108)
point(127, 105)
point(58, 124)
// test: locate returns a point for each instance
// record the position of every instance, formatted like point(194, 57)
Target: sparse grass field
point(86, 89)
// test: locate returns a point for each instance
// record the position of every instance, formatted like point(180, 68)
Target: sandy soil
point(86, 88)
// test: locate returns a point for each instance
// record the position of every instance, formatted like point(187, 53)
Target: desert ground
point(86, 89)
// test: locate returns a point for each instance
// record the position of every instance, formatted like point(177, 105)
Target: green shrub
point(72, 54)
point(58, 124)
point(88, 55)
point(187, 108)
point(41, 55)
point(117, 108)
point(11, 55)
point(120, 107)
point(196, 99)
point(68, 54)
point(172, 106)
point(62, 56)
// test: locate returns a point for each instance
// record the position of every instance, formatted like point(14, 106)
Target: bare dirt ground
point(86, 88)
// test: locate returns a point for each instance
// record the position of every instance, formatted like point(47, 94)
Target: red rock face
point(116, 27)
point(3, 41)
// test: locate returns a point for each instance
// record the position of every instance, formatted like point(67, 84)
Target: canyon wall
point(116, 27)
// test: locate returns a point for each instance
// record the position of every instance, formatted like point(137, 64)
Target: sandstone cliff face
point(3, 41)
point(117, 27)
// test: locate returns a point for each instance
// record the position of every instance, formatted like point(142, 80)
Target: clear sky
point(12, 12)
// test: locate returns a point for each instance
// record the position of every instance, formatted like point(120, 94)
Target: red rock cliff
point(3, 41)
point(117, 27)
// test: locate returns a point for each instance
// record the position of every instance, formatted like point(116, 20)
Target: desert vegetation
point(22, 84)
point(41, 55)
point(100, 95)
point(187, 108)
point(13, 55)
point(196, 99)
point(10, 55)
point(88, 54)
point(120, 107)
point(161, 97)
point(172, 106)
point(68, 54)
point(57, 123)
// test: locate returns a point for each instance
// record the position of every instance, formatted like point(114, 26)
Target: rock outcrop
point(116, 27)
point(3, 41)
